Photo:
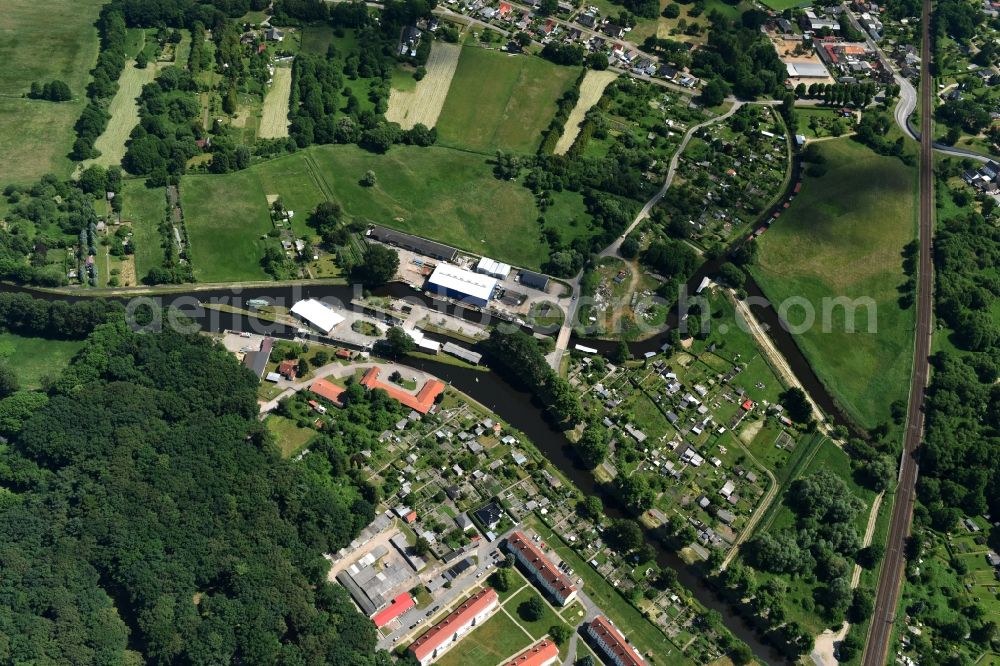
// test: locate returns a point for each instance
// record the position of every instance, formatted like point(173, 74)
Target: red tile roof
point(625, 654)
point(288, 368)
point(396, 607)
point(442, 632)
point(420, 402)
point(541, 565)
point(328, 390)
point(540, 654)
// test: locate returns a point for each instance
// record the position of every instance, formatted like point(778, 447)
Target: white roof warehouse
point(317, 314)
point(462, 284)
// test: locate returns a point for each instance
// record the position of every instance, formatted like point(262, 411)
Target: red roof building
point(542, 653)
point(343, 353)
point(421, 402)
point(327, 390)
point(396, 607)
point(453, 628)
point(553, 581)
point(505, 8)
point(748, 405)
point(288, 368)
point(613, 643)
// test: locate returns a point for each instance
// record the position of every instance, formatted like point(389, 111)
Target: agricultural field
point(145, 208)
point(274, 116)
point(226, 218)
point(843, 236)
point(36, 135)
point(500, 101)
point(124, 111)
point(591, 90)
point(33, 359)
point(423, 103)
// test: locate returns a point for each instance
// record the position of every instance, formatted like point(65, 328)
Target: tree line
point(519, 356)
point(104, 84)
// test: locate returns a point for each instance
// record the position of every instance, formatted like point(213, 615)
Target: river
point(515, 406)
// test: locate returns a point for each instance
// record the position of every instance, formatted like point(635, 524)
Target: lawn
point(316, 39)
point(496, 639)
point(145, 207)
point(36, 136)
point(226, 216)
point(781, 5)
point(843, 237)
point(645, 636)
point(35, 358)
point(289, 436)
point(538, 628)
point(499, 101)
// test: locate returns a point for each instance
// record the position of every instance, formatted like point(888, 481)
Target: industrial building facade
point(462, 285)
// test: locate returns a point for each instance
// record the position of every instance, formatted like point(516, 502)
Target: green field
point(316, 39)
point(145, 208)
point(498, 101)
point(843, 237)
point(448, 195)
point(495, 640)
point(289, 436)
point(538, 628)
point(32, 359)
point(225, 218)
point(781, 5)
point(35, 136)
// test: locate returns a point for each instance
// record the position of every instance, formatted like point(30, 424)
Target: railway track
point(891, 575)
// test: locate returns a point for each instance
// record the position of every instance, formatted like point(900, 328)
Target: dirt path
point(274, 117)
point(825, 646)
point(591, 89)
point(758, 514)
point(424, 103)
point(774, 357)
point(633, 276)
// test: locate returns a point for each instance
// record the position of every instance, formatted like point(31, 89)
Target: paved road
point(890, 578)
point(907, 103)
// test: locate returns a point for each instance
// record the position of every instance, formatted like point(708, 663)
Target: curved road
point(891, 575)
point(562, 340)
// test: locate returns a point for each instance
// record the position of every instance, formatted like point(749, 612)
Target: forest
point(959, 469)
point(148, 518)
point(742, 55)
